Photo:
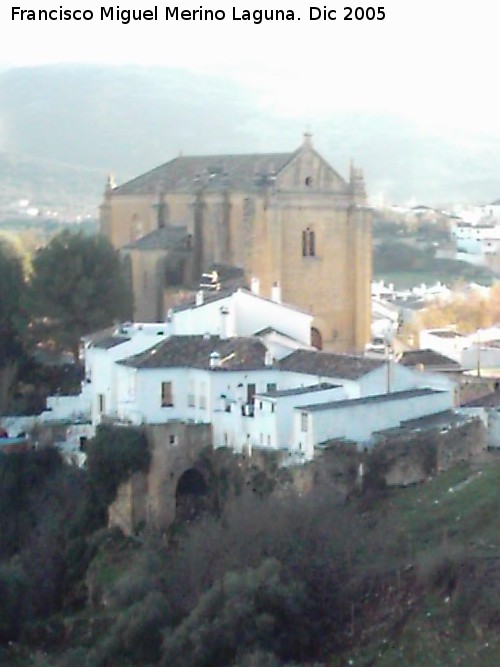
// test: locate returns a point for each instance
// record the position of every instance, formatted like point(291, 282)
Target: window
point(172, 439)
point(268, 440)
point(308, 181)
point(250, 393)
point(191, 403)
point(271, 386)
point(202, 399)
point(303, 422)
point(308, 243)
point(312, 244)
point(101, 403)
point(166, 395)
point(273, 407)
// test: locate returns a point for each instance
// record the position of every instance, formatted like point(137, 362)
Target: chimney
point(199, 299)
point(276, 293)
point(255, 286)
point(214, 360)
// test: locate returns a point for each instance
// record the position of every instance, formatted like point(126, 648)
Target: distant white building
point(446, 341)
point(478, 351)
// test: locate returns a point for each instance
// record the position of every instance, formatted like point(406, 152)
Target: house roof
point(243, 353)
point(107, 338)
point(297, 391)
point(110, 341)
point(329, 364)
point(445, 333)
point(367, 400)
point(491, 400)
point(214, 295)
point(242, 172)
point(159, 239)
point(428, 359)
point(209, 296)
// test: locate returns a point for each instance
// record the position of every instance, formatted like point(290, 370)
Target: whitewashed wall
point(247, 314)
point(274, 429)
point(450, 347)
point(359, 422)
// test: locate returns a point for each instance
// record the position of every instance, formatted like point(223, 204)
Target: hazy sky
point(436, 60)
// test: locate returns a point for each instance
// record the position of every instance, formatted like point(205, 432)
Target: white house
point(247, 396)
point(447, 342)
point(244, 365)
point(272, 424)
point(101, 351)
point(478, 350)
point(243, 313)
point(360, 418)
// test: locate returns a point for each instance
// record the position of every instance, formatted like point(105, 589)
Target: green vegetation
point(72, 286)
point(12, 287)
point(406, 266)
point(396, 577)
point(112, 456)
point(76, 287)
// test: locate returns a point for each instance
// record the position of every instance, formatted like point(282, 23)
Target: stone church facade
point(289, 221)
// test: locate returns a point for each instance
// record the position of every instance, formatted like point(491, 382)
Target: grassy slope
point(447, 613)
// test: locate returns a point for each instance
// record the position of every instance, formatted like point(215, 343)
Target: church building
point(293, 227)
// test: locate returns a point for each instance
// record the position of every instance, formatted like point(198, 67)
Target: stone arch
point(318, 333)
point(316, 338)
point(191, 494)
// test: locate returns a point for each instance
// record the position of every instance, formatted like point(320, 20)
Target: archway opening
point(191, 495)
point(316, 338)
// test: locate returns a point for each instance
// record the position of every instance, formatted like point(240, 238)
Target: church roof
point(159, 239)
point(240, 172)
point(327, 364)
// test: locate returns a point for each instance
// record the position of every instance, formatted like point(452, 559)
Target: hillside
point(62, 128)
point(402, 577)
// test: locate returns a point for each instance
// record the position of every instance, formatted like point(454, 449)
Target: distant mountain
point(62, 128)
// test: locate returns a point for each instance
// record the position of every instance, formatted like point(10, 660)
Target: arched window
point(316, 338)
point(308, 243)
point(312, 244)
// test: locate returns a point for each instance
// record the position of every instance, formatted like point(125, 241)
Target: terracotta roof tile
point(194, 352)
point(159, 239)
point(367, 400)
point(242, 172)
point(327, 364)
point(428, 359)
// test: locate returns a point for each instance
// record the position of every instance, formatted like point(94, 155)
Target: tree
point(77, 287)
point(12, 286)
point(241, 612)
